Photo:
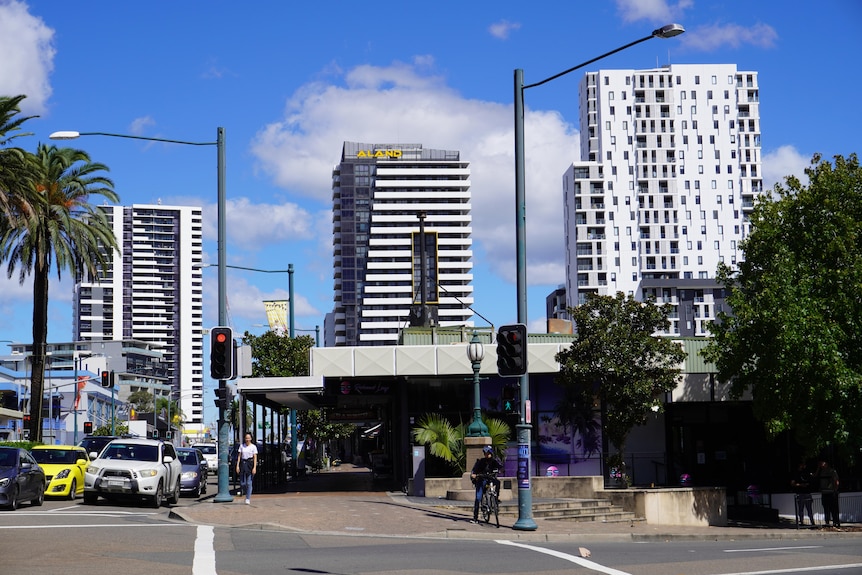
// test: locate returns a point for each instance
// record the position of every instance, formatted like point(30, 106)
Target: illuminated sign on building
point(378, 154)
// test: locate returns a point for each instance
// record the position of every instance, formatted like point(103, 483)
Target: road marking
point(566, 557)
point(772, 549)
point(798, 569)
point(204, 559)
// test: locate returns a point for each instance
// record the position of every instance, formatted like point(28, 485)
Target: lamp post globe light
point(525, 499)
point(476, 353)
point(223, 495)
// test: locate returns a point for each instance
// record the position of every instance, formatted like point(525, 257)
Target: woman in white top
point(246, 466)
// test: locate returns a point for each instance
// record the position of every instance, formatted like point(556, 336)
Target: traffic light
point(88, 427)
point(107, 378)
point(221, 353)
point(510, 399)
point(222, 398)
point(512, 350)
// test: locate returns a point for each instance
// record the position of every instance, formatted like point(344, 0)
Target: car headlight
point(190, 475)
point(63, 474)
point(4, 482)
point(92, 469)
point(149, 472)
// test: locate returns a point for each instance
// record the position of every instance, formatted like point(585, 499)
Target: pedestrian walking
point(803, 484)
point(246, 466)
point(827, 482)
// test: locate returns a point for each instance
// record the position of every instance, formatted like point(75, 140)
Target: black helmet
point(487, 449)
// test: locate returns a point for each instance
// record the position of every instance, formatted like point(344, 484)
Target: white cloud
point(652, 10)
point(503, 28)
point(783, 162)
point(715, 36)
point(138, 125)
point(400, 103)
point(252, 226)
point(245, 301)
point(27, 48)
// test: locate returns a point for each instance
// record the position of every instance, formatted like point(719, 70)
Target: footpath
point(346, 502)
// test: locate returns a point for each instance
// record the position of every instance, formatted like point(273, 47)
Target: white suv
point(146, 468)
point(210, 451)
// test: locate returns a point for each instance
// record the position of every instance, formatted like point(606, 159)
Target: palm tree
point(15, 172)
point(63, 231)
point(446, 441)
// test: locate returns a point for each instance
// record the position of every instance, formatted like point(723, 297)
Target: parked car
point(21, 478)
point(136, 468)
point(195, 471)
point(210, 451)
point(64, 467)
point(95, 443)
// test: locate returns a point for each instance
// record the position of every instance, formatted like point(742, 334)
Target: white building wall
point(153, 293)
point(670, 165)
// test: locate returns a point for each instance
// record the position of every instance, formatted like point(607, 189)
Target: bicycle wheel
point(494, 508)
point(485, 507)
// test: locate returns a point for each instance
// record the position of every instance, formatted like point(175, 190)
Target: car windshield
point(187, 457)
point(131, 451)
point(207, 449)
point(49, 456)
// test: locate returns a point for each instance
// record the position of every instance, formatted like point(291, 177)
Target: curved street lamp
point(223, 495)
point(525, 499)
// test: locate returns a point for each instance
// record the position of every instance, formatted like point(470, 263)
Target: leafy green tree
point(795, 333)
point(64, 232)
point(119, 429)
point(618, 360)
point(446, 441)
point(141, 400)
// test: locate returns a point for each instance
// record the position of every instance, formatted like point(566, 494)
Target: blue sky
point(291, 81)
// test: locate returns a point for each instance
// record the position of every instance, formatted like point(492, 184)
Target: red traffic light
point(221, 337)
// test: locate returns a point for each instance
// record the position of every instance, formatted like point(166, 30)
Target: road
point(72, 538)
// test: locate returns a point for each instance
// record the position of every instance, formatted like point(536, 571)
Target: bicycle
point(490, 502)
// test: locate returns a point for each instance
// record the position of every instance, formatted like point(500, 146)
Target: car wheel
point(156, 501)
point(73, 490)
point(204, 485)
point(40, 496)
point(174, 497)
point(90, 498)
point(13, 499)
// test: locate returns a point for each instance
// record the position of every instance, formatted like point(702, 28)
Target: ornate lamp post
point(476, 353)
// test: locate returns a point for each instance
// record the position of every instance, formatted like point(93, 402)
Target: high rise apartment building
point(670, 167)
point(387, 199)
point(152, 293)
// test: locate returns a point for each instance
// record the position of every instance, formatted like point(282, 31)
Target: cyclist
point(484, 471)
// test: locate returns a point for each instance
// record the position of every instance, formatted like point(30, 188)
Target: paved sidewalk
point(316, 505)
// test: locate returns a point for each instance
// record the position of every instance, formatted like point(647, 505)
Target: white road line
point(798, 569)
point(204, 560)
point(566, 557)
point(772, 549)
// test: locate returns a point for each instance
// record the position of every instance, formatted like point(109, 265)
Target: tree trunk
point(38, 352)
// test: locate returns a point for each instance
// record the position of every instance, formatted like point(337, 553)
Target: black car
point(195, 471)
point(95, 443)
point(21, 478)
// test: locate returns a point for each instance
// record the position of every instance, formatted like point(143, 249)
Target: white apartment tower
point(152, 293)
point(670, 167)
point(387, 199)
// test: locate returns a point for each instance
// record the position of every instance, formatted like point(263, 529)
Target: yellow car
point(64, 467)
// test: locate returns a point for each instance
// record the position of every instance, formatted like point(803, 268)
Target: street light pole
point(525, 498)
point(475, 354)
point(223, 495)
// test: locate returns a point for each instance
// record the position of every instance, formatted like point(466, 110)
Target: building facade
point(401, 221)
point(153, 293)
point(670, 166)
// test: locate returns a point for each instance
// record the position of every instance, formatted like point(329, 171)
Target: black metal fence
point(849, 509)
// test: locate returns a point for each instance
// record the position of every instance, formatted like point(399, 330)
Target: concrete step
point(575, 510)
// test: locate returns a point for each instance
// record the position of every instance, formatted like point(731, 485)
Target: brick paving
point(345, 500)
